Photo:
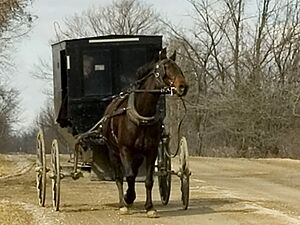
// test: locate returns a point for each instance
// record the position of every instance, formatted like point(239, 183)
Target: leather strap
point(135, 117)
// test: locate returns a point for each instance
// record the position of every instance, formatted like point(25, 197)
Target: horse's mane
point(145, 70)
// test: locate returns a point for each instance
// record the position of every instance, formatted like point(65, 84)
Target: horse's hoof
point(124, 211)
point(152, 214)
point(127, 205)
point(125, 200)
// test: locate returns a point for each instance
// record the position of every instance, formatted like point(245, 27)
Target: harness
point(158, 72)
point(135, 117)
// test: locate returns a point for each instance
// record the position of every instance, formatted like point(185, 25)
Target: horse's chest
point(146, 139)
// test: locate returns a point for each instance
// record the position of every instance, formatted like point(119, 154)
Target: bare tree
point(8, 113)
point(245, 76)
point(46, 121)
point(15, 22)
point(122, 17)
point(10, 11)
point(43, 72)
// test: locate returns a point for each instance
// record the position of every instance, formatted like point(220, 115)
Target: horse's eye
point(165, 67)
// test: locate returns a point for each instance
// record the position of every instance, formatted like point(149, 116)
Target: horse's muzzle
point(182, 90)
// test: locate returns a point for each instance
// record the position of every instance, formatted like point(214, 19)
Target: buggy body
point(88, 71)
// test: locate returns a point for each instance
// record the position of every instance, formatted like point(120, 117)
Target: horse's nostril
point(181, 87)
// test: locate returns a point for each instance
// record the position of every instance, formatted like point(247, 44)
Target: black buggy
point(87, 74)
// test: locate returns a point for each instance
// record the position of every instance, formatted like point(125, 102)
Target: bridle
point(159, 72)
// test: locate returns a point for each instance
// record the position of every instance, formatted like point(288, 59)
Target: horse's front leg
point(150, 164)
point(131, 175)
point(131, 163)
point(122, 204)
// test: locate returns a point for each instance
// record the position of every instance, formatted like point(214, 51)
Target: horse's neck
point(145, 103)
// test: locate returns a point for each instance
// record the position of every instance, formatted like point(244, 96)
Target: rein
point(165, 90)
point(132, 113)
point(178, 131)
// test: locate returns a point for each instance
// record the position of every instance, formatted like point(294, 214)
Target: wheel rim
point(185, 172)
point(41, 169)
point(184, 154)
point(55, 163)
point(164, 180)
point(185, 190)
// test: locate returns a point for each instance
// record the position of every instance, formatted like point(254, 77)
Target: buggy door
point(97, 73)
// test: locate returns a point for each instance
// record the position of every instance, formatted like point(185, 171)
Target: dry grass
point(14, 215)
point(6, 166)
point(11, 165)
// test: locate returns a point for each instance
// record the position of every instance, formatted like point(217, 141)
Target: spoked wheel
point(184, 172)
point(164, 169)
point(55, 175)
point(41, 168)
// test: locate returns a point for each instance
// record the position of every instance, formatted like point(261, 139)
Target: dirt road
point(223, 192)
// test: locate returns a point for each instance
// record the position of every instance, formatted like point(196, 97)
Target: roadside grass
point(6, 166)
point(12, 214)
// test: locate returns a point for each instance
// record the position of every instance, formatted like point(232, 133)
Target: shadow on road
point(196, 207)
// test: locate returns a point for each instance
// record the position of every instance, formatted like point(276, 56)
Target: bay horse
point(133, 129)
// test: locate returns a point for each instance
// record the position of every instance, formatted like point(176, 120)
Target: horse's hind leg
point(119, 183)
point(116, 165)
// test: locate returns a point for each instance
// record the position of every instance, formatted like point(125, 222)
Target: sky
point(36, 45)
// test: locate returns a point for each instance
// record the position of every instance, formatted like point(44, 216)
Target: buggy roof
point(111, 38)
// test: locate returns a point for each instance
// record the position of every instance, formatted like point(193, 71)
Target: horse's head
point(170, 74)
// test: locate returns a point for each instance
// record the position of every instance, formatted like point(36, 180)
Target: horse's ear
point(156, 57)
point(163, 54)
point(173, 57)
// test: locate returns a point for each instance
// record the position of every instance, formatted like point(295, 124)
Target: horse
point(133, 128)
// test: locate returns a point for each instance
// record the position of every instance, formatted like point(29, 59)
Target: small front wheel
point(184, 172)
point(185, 189)
point(164, 169)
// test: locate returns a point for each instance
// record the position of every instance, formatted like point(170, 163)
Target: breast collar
point(135, 117)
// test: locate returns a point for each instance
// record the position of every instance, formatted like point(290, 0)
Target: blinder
point(160, 73)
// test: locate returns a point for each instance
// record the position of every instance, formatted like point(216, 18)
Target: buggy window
point(96, 73)
point(129, 60)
